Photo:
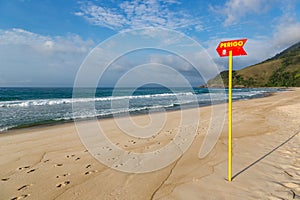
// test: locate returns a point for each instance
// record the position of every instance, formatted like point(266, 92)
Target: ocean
point(26, 107)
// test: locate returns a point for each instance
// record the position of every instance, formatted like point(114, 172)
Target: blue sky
point(44, 42)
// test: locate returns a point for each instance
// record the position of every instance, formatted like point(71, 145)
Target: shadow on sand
point(264, 156)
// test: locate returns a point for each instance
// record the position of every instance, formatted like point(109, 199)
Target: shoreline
point(52, 163)
point(50, 123)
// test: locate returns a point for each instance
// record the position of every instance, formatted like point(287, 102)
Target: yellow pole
point(230, 117)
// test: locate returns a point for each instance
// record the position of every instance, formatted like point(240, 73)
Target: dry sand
point(51, 162)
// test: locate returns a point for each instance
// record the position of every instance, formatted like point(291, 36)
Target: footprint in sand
point(26, 167)
point(88, 166)
point(132, 141)
point(21, 197)
point(46, 160)
point(118, 165)
point(90, 172)
point(70, 156)
point(113, 158)
point(62, 184)
point(32, 170)
point(24, 187)
point(77, 159)
point(4, 179)
point(64, 175)
point(59, 165)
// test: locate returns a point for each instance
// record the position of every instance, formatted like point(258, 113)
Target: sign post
point(230, 48)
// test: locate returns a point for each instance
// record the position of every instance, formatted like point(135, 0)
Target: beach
point(50, 162)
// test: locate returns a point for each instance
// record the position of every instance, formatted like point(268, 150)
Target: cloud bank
point(32, 59)
point(139, 14)
point(236, 10)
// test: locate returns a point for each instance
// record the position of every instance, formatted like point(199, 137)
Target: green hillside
point(282, 70)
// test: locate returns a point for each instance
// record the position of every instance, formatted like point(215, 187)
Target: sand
point(52, 163)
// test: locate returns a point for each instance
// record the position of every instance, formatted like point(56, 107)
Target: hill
point(282, 70)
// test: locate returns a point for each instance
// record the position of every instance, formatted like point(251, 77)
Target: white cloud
point(49, 44)
point(153, 73)
point(235, 10)
point(68, 44)
point(287, 33)
point(31, 58)
point(139, 14)
point(171, 60)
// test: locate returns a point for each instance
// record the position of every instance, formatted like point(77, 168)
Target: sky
point(44, 43)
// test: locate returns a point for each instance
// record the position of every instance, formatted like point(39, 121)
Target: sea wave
point(203, 97)
point(6, 128)
point(43, 102)
point(84, 115)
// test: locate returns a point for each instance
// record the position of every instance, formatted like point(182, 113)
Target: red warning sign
point(236, 46)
